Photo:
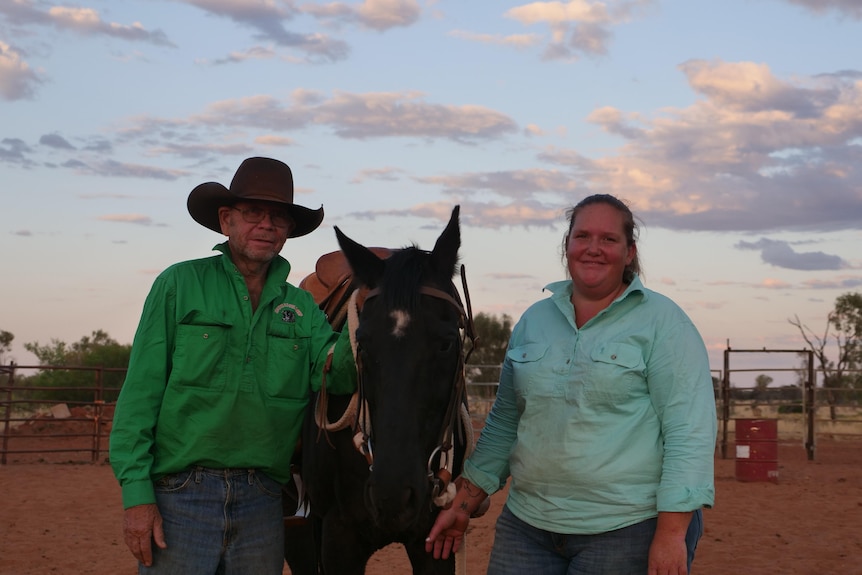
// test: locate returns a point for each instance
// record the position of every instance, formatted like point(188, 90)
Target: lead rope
point(461, 553)
point(467, 422)
point(362, 425)
point(350, 413)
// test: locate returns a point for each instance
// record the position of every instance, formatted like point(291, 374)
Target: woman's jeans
point(219, 521)
point(520, 548)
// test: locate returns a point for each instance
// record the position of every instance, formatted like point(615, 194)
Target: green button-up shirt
point(213, 383)
point(604, 426)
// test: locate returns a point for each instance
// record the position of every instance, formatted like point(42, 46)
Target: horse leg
point(300, 550)
point(301, 539)
point(343, 551)
point(424, 563)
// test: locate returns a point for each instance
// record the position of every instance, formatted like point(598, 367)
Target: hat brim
point(205, 200)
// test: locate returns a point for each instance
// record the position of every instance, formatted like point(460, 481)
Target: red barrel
point(757, 450)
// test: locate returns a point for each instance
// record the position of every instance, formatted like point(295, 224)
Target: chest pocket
point(532, 376)
point(288, 361)
point(617, 371)
point(200, 353)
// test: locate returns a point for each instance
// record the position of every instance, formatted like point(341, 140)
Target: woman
point(604, 419)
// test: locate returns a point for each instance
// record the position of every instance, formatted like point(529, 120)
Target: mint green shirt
point(604, 426)
point(212, 383)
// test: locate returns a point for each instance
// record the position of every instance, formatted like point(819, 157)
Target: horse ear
point(366, 266)
point(445, 254)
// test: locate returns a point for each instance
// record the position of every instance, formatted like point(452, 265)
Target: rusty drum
point(757, 450)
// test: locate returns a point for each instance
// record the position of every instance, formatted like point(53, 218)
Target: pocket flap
point(527, 352)
point(621, 354)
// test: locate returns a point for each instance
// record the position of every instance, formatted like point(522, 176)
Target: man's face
point(256, 230)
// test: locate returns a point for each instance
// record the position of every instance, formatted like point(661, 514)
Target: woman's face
point(597, 251)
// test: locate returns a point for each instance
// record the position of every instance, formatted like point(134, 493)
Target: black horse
point(383, 479)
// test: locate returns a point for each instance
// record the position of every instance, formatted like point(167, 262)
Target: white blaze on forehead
point(401, 319)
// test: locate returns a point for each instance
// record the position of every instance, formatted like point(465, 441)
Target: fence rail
point(805, 410)
point(39, 418)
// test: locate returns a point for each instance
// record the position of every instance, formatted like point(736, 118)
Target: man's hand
point(142, 524)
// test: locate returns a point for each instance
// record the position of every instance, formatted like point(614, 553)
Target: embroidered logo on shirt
point(288, 312)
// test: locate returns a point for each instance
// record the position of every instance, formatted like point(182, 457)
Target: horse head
point(409, 356)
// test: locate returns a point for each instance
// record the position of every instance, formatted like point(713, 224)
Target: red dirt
point(62, 517)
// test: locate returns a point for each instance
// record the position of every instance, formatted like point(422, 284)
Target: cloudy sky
point(733, 129)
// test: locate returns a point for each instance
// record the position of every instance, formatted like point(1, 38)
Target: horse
point(383, 478)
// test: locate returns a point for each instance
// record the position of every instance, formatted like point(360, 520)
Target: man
point(222, 366)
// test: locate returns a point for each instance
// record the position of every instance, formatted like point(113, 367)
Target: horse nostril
point(393, 506)
point(407, 498)
point(370, 503)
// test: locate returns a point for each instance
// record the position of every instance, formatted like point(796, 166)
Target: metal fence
point(75, 421)
point(40, 417)
point(805, 410)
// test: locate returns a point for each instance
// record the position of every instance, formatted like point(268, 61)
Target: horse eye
point(446, 345)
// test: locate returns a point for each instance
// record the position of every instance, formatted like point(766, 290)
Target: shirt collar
point(563, 288)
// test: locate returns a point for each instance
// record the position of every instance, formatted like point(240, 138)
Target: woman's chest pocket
point(616, 371)
point(533, 372)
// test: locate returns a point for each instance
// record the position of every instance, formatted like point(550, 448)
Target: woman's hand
point(447, 533)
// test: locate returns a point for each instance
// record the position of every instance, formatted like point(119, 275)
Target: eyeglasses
point(255, 215)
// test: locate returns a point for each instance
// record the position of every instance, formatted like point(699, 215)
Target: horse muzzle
point(396, 506)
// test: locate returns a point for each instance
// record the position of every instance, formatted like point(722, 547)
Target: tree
point(486, 358)
point(97, 350)
point(493, 333)
point(840, 375)
point(761, 383)
point(493, 338)
point(5, 344)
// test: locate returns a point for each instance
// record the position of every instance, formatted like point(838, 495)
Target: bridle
point(439, 474)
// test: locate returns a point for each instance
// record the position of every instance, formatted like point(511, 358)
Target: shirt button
point(614, 356)
point(245, 297)
point(295, 347)
point(206, 335)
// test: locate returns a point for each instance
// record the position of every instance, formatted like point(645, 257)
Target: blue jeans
point(520, 548)
point(219, 521)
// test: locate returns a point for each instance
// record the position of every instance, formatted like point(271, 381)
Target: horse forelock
point(406, 271)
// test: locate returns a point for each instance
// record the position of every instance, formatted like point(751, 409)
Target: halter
point(440, 475)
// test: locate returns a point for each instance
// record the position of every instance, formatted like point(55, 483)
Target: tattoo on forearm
point(471, 489)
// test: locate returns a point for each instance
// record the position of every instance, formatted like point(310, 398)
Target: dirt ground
point(62, 517)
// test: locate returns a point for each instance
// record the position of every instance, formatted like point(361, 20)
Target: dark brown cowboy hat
point(262, 179)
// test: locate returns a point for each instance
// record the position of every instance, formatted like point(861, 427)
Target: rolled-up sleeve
point(681, 391)
point(488, 467)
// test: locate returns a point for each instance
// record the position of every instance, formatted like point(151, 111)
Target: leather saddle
point(331, 284)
